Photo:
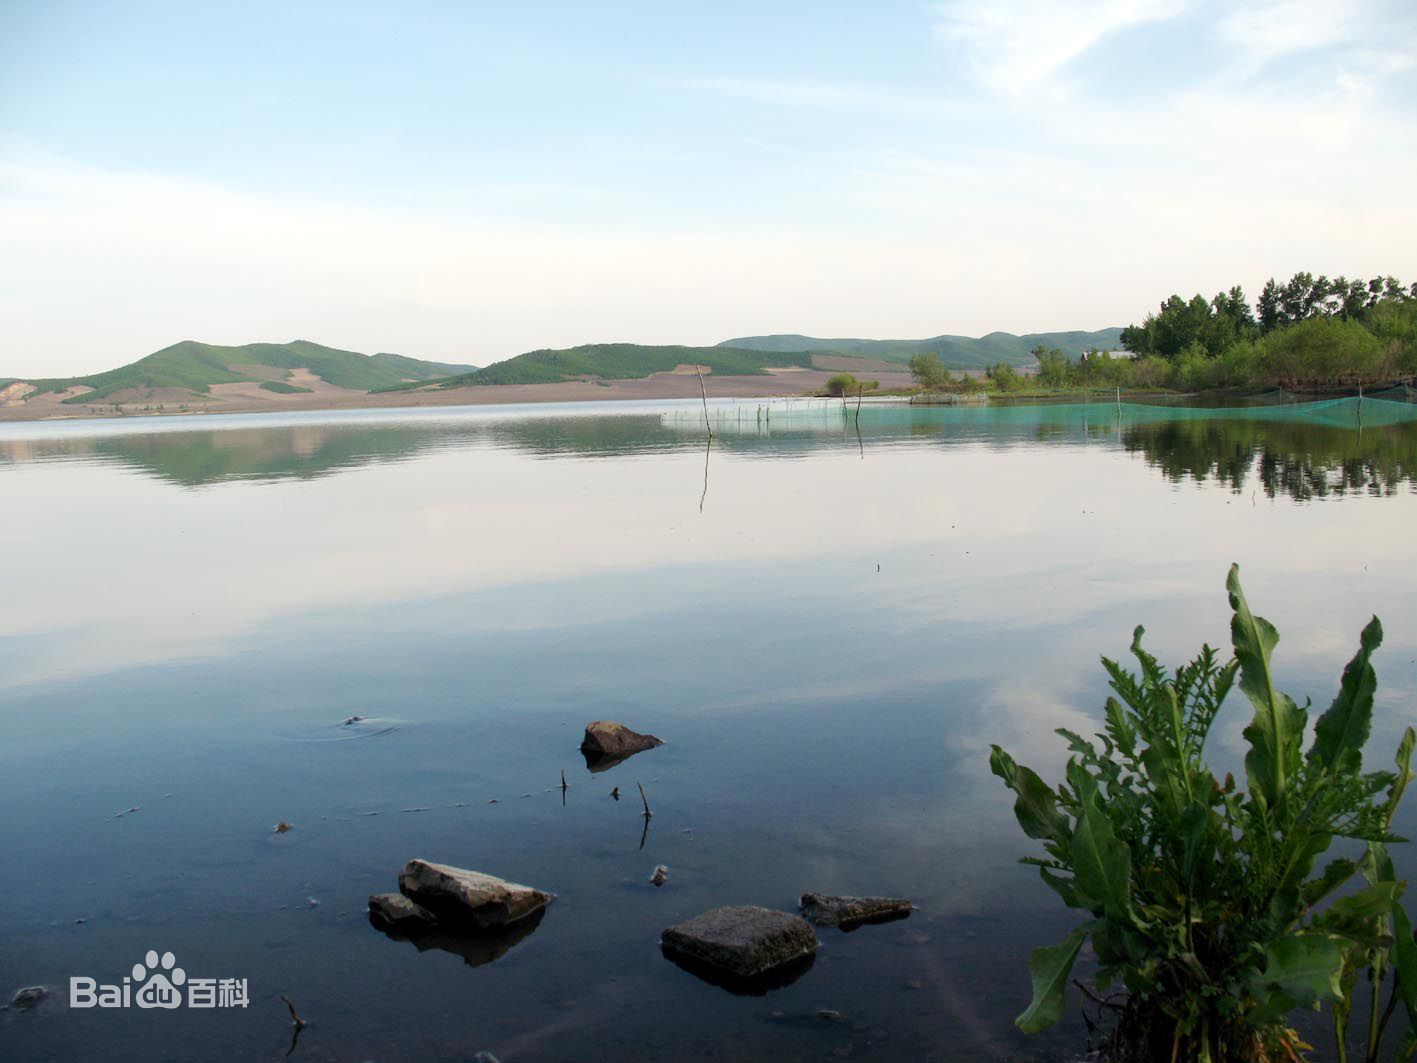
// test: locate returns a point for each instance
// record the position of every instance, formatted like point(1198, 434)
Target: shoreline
point(230, 399)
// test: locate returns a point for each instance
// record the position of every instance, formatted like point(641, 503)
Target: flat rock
point(29, 996)
point(743, 941)
point(397, 910)
point(826, 910)
point(606, 738)
point(456, 894)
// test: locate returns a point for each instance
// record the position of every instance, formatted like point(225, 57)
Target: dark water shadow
point(476, 947)
point(758, 986)
point(872, 920)
point(599, 762)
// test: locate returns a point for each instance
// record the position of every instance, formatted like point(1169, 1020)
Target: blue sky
point(468, 181)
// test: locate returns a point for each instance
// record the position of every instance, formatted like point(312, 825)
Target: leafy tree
point(930, 372)
point(840, 384)
point(1004, 377)
point(1053, 366)
point(1322, 350)
point(1180, 324)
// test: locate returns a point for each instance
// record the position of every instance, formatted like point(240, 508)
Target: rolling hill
point(621, 361)
point(957, 352)
point(195, 367)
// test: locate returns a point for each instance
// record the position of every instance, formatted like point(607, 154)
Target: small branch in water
point(703, 392)
point(294, 1015)
point(1096, 999)
point(645, 799)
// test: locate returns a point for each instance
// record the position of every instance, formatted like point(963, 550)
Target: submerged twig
point(645, 799)
point(294, 1015)
point(703, 392)
point(708, 446)
point(1099, 1001)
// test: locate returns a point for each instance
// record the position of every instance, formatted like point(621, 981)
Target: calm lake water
point(828, 628)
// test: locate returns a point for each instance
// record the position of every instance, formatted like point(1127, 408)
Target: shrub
point(1004, 377)
point(1322, 350)
point(840, 384)
point(1194, 369)
point(929, 371)
point(1202, 897)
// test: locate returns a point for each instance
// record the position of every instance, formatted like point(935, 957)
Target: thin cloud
point(1014, 47)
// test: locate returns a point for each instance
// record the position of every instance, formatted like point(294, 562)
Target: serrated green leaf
point(1049, 969)
point(1277, 730)
point(1036, 807)
point(1404, 961)
point(1356, 916)
point(1305, 968)
point(1342, 731)
point(1102, 866)
point(1334, 875)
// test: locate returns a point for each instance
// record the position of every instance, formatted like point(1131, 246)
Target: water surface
point(829, 622)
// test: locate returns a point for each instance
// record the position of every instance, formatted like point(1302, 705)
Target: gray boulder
point(459, 895)
point(744, 942)
point(29, 996)
point(846, 912)
point(606, 738)
point(397, 910)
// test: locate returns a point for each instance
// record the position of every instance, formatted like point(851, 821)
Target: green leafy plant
point(1202, 898)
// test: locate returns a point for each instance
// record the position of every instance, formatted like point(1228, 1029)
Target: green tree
point(930, 372)
point(1322, 350)
point(1004, 377)
point(840, 384)
point(1053, 367)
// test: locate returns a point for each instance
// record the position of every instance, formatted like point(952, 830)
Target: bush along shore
point(1205, 901)
point(1310, 334)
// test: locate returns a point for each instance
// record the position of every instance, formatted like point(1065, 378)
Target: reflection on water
point(193, 619)
point(475, 948)
point(1303, 450)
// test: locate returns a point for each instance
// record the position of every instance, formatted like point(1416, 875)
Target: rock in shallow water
point(846, 912)
point(607, 743)
point(29, 996)
point(455, 894)
point(397, 910)
point(745, 942)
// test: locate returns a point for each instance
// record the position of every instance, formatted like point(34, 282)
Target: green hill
point(957, 352)
point(195, 367)
point(623, 361)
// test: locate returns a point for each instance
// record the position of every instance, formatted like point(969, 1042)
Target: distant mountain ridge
point(623, 361)
point(957, 352)
point(196, 367)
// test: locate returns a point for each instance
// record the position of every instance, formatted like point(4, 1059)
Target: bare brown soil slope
point(251, 398)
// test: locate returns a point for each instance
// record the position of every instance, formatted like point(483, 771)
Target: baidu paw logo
point(160, 991)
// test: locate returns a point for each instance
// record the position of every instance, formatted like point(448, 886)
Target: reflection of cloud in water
point(1021, 717)
point(1056, 550)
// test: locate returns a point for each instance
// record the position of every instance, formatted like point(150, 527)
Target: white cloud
point(1266, 30)
point(1014, 47)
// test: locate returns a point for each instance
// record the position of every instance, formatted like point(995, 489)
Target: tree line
point(1309, 333)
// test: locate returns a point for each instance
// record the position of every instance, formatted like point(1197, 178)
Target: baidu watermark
point(158, 982)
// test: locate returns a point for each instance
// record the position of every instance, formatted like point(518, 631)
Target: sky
point(467, 181)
